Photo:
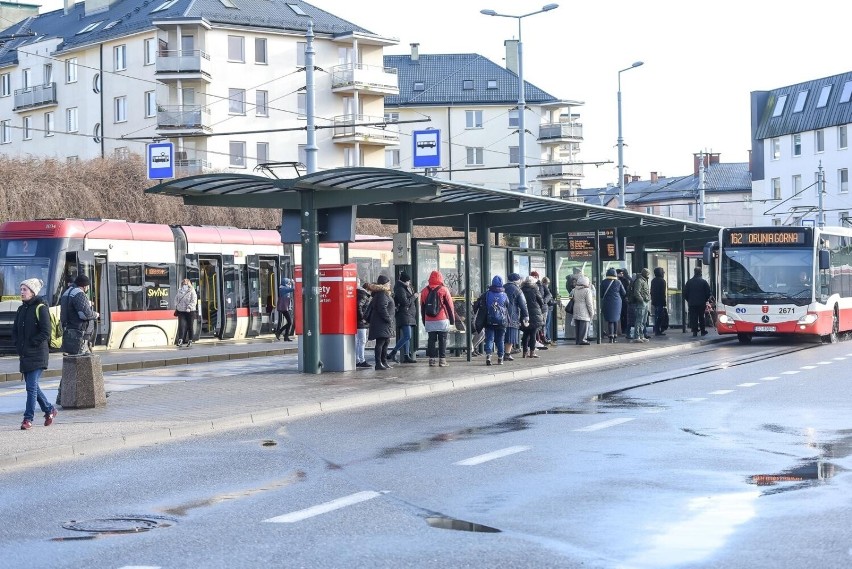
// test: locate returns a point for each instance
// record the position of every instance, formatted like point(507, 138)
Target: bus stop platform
point(155, 396)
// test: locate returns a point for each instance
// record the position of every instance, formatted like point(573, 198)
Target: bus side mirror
point(707, 257)
point(824, 259)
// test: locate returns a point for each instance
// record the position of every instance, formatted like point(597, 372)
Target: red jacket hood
point(435, 279)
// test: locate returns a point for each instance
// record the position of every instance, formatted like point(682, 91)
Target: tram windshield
point(767, 274)
point(13, 270)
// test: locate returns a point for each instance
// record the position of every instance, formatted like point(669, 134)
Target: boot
point(409, 360)
point(380, 367)
point(442, 362)
point(392, 355)
point(524, 354)
point(499, 360)
point(488, 359)
point(533, 354)
point(433, 362)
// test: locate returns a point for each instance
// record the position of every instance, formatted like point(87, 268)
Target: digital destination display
point(582, 246)
point(794, 236)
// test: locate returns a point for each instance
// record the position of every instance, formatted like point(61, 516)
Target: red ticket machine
point(338, 304)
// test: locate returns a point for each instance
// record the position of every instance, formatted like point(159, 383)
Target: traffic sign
point(427, 148)
point(161, 160)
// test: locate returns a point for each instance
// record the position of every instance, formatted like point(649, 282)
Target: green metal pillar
point(596, 277)
point(467, 302)
point(483, 238)
point(549, 264)
point(311, 362)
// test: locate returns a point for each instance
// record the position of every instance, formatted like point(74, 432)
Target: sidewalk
point(184, 408)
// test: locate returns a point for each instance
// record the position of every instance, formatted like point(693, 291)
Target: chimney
point(626, 179)
point(511, 55)
point(69, 4)
point(714, 158)
point(635, 178)
point(654, 178)
point(415, 52)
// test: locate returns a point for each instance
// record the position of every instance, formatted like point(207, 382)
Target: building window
point(150, 103)
point(467, 84)
point(797, 145)
point(237, 152)
point(392, 158)
point(300, 53)
point(823, 96)
point(514, 121)
point(797, 186)
point(28, 123)
point(473, 119)
point(690, 211)
point(5, 85)
point(843, 219)
point(747, 202)
point(119, 58)
point(150, 51)
point(302, 105)
point(514, 155)
point(164, 6)
point(236, 49)
point(25, 79)
point(236, 101)
point(776, 221)
point(776, 188)
point(49, 123)
point(302, 154)
point(47, 74)
point(71, 70)
point(846, 94)
point(261, 107)
point(475, 156)
point(391, 116)
point(262, 152)
point(297, 9)
point(776, 148)
point(419, 86)
point(492, 83)
point(350, 157)
point(801, 98)
point(260, 50)
point(71, 120)
point(5, 132)
point(819, 140)
point(120, 107)
point(843, 180)
point(842, 137)
point(779, 106)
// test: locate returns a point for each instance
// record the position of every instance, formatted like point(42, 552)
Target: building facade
point(224, 82)
point(800, 145)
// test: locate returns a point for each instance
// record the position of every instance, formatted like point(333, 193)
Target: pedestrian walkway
point(157, 396)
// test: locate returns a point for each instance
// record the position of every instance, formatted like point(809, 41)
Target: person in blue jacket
point(284, 306)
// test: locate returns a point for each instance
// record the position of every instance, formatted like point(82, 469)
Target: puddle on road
point(511, 425)
point(809, 472)
point(441, 522)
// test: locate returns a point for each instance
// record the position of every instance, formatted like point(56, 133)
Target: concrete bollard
point(82, 383)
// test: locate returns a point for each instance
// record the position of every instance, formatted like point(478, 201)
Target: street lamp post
point(522, 147)
point(621, 203)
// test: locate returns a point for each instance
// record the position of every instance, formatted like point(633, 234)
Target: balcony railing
point(192, 166)
point(369, 76)
point(35, 96)
point(559, 170)
point(356, 126)
point(183, 61)
point(183, 117)
point(559, 131)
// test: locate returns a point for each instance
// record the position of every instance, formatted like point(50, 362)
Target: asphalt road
point(731, 456)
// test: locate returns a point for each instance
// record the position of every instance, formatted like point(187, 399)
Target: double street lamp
point(522, 156)
point(621, 203)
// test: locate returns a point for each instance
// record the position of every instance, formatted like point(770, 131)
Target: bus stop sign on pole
point(160, 158)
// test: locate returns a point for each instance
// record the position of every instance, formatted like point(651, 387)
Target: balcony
point(183, 64)
point(360, 77)
point(185, 118)
point(33, 97)
point(560, 171)
point(349, 129)
point(191, 167)
point(560, 133)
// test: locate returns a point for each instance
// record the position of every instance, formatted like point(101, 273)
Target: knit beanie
point(514, 277)
point(382, 280)
point(35, 285)
point(404, 277)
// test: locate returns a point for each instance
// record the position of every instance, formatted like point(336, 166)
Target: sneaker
point(26, 425)
point(488, 360)
point(362, 364)
point(48, 417)
point(499, 360)
point(643, 340)
point(433, 362)
point(636, 341)
point(508, 358)
point(442, 362)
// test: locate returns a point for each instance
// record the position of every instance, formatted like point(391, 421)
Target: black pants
point(582, 331)
point(184, 333)
point(441, 339)
point(380, 352)
point(528, 338)
point(285, 323)
point(696, 318)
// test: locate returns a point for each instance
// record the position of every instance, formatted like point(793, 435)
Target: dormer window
point(297, 9)
point(779, 106)
point(419, 86)
point(164, 6)
point(801, 98)
point(823, 96)
point(90, 27)
point(467, 84)
point(492, 83)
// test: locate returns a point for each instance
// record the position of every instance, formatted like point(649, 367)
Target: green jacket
point(641, 290)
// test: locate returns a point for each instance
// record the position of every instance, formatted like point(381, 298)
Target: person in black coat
point(696, 293)
point(624, 279)
point(658, 299)
point(362, 302)
point(406, 318)
point(381, 320)
point(31, 337)
point(535, 310)
point(613, 298)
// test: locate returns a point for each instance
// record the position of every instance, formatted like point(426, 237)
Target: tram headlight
point(808, 319)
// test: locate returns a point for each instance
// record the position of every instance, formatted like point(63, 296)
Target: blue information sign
point(161, 161)
point(427, 148)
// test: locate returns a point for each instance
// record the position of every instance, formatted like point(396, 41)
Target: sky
point(701, 62)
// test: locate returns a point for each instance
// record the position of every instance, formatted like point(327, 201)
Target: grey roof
point(810, 117)
point(133, 16)
point(731, 177)
point(444, 76)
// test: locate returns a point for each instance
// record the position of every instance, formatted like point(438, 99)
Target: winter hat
point(645, 272)
point(497, 281)
point(514, 277)
point(382, 280)
point(583, 281)
point(35, 285)
point(610, 272)
point(404, 277)
point(82, 280)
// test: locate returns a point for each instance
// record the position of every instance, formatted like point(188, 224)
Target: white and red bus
point(773, 281)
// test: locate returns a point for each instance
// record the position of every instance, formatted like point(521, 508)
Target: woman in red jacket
point(437, 317)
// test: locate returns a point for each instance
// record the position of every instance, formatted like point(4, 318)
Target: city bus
point(776, 281)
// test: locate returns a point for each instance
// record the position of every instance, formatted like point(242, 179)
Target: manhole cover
point(128, 524)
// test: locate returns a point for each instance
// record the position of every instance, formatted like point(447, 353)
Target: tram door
point(253, 284)
point(210, 294)
point(93, 264)
point(268, 276)
point(231, 284)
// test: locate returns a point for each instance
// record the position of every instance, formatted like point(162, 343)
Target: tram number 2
point(786, 310)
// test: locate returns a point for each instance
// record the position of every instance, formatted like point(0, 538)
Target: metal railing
point(35, 96)
point(351, 74)
point(560, 131)
point(190, 60)
point(183, 116)
point(560, 169)
point(354, 126)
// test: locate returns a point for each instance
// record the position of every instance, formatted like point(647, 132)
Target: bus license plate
point(764, 328)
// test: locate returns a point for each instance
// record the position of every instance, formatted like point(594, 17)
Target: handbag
point(177, 312)
point(569, 308)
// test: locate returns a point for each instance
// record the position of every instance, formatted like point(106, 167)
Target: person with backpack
point(658, 300)
point(535, 316)
point(77, 317)
point(495, 304)
point(406, 318)
point(518, 314)
point(362, 302)
point(284, 307)
point(381, 320)
point(436, 310)
point(641, 297)
point(31, 335)
point(612, 300)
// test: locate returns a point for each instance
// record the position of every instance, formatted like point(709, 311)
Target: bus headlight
point(808, 319)
point(725, 319)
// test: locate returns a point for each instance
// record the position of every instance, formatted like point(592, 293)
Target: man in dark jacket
point(658, 299)
point(363, 301)
point(381, 320)
point(626, 311)
point(77, 317)
point(518, 314)
point(405, 302)
point(284, 307)
point(696, 293)
point(31, 336)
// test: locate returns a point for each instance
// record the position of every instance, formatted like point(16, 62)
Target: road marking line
point(808, 367)
point(769, 378)
point(824, 363)
point(747, 384)
point(791, 372)
point(696, 399)
point(491, 456)
point(324, 508)
point(839, 359)
point(603, 425)
point(721, 392)
point(140, 567)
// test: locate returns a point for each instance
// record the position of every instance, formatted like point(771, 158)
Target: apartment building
point(473, 102)
point(799, 131)
point(224, 80)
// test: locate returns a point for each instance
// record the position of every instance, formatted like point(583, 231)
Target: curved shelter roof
point(383, 194)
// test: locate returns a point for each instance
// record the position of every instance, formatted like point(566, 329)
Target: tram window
point(243, 299)
point(128, 280)
point(157, 289)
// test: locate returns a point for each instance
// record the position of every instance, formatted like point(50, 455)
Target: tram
point(774, 281)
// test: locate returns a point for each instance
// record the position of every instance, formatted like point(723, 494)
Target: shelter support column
point(549, 270)
point(639, 260)
point(483, 238)
point(684, 270)
point(467, 303)
point(596, 269)
point(310, 285)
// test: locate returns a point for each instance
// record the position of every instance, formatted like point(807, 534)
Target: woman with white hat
point(31, 336)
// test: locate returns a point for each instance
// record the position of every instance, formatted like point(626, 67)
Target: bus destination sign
point(794, 236)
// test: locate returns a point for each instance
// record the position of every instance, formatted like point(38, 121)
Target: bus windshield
point(761, 274)
point(13, 270)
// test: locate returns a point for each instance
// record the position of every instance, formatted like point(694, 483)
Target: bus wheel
point(834, 337)
point(744, 338)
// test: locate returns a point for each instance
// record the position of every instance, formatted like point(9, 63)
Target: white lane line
point(747, 384)
point(769, 378)
point(140, 567)
point(695, 399)
point(808, 367)
point(791, 372)
point(491, 456)
point(824, 363)
point(838, 359)
point(721, 392)
point(324, 508)
point(603, 425)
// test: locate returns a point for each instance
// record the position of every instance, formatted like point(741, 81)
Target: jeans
point(494, 335)
point(441, 339)
point(360, 344)
point(285, 323)
point(640, 311)
point(34, 393)
point(404, 341)
point(547, 321)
